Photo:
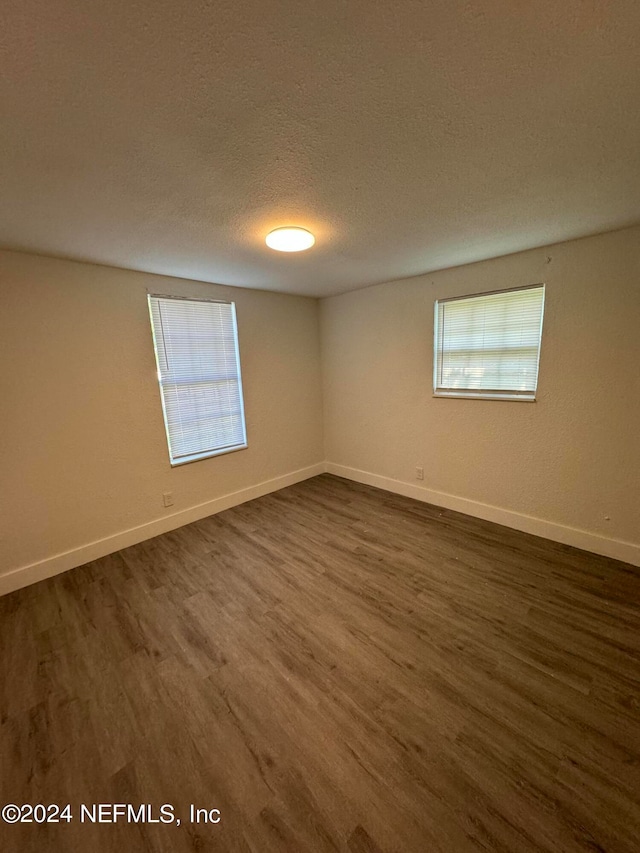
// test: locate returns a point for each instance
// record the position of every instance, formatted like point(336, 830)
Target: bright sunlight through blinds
point(196, 344)
point(489, 345)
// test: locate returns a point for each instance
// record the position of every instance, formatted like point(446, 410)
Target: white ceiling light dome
point(290, 239)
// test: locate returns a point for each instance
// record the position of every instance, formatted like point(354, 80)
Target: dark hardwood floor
point(334, 668)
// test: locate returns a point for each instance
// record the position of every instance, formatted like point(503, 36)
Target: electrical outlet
point(167, 498)
point(419, 473)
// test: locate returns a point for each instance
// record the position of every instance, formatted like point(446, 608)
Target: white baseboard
point(628, 552)
point(94, 550)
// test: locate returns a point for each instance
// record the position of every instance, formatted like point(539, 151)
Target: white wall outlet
point(167, 498)
point(419, 472)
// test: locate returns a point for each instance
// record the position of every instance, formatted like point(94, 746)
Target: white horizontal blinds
point(199, 374)
point(490, 342)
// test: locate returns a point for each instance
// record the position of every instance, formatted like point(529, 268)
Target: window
point(488, 345)
point(196, 344)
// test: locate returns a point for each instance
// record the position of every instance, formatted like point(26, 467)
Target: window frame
point(488, 393)
point(205, 454)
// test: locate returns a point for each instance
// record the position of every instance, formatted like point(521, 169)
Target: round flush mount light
point(290, 239)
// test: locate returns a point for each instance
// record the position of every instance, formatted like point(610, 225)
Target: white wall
point(83, 455)
point(556, 467)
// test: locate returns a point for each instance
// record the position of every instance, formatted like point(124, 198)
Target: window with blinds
point(196, 345)
point(489, 345)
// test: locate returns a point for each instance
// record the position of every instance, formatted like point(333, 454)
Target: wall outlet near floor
point(419, 472)
point(167, 498)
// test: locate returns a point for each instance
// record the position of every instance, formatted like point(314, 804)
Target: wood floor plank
point(334, 668)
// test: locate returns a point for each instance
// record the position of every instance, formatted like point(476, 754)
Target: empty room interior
point(320, 457)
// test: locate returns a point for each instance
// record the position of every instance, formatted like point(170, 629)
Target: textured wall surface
point(412, 135)
point(572, 457)
point(83, 453)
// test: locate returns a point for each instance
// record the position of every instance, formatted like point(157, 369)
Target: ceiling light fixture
point(290, 239)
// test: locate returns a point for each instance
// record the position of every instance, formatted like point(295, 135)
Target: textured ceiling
point(171, 135)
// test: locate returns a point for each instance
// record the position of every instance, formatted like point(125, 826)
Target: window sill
point(196, 457)
point(460, 395)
